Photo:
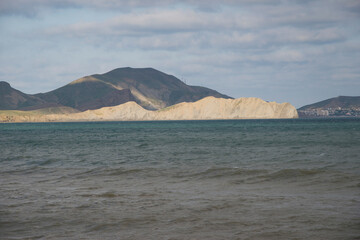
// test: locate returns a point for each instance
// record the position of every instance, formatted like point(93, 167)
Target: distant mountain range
point(148, 87)
point(333, 107)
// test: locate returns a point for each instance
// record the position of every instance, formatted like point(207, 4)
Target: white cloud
point(159, 22)
point(239, 47)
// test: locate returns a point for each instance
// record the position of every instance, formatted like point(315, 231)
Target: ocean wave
point(253, 176)
point(239, 175)
point(219, 172)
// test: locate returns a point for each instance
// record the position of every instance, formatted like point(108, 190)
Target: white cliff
point(206, 108)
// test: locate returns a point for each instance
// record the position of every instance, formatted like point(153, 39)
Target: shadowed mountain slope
point(87, 93)
point(12, 99)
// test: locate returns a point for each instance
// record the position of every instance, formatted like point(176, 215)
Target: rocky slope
point(207, 108)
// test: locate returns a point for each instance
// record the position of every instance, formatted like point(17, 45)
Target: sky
point(298, 51)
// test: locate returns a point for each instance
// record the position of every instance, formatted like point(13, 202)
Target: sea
point(226, 179)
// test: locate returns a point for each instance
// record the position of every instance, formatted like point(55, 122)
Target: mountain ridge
point(154, 89)
point(150, 88)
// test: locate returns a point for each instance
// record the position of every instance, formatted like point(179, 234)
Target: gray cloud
point(31, 8)
point(34, 6)
point(160, 22)
point(186, 28)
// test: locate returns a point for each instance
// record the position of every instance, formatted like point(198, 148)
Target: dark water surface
point(243, 179)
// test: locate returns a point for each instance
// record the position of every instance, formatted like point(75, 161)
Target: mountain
point(337, 106)
point(148, 87)
point(11, 99)
point(153, 89)
point(204, 109)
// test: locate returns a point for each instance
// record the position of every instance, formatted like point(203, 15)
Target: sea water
point(236, 179)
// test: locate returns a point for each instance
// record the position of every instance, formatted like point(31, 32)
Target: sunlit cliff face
point(207, 108)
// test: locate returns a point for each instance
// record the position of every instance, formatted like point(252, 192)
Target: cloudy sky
point(298, 51)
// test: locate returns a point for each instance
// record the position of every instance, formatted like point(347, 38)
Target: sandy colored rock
point(217, 108)
point(206, 108)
